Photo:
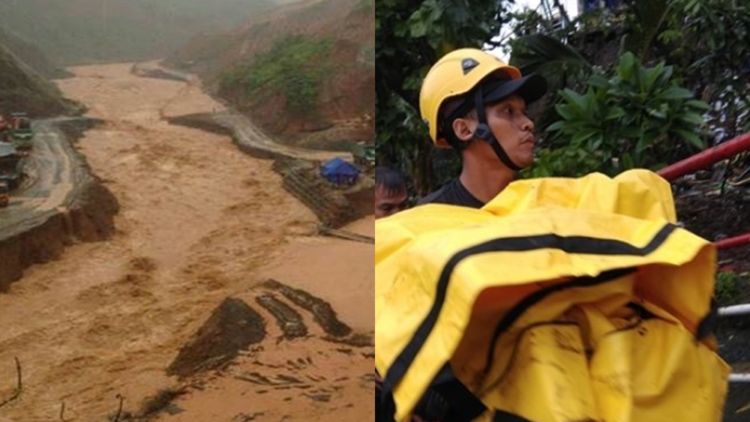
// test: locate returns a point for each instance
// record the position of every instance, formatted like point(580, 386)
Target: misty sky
point(81, 31)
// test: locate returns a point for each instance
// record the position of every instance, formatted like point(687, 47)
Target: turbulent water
point(199, 221)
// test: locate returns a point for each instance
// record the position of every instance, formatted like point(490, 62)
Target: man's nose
point(527, 124)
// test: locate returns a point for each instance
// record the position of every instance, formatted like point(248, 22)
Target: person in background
point(390, 192)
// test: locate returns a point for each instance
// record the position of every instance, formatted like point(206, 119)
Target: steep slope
point(305, 70)
point(32, 56)
point(25, 89)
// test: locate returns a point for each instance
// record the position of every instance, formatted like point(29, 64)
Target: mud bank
point(238, 350)
point(204, 121)
point(333, 207)
point(209, 123)
point(40, 234)
point(148, 70)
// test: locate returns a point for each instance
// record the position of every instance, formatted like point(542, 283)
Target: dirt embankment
point(147, 70)
point(298, 166)
point(33, 233)
point(343, 77)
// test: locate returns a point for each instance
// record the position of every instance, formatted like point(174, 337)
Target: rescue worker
point(476, 104)
point(390, 192)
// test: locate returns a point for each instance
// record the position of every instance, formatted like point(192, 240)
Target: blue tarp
point(339, 171)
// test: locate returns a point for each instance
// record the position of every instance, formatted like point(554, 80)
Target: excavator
point(21, 134)
point(10, 171)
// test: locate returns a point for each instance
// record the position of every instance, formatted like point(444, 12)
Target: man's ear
point(464, 129)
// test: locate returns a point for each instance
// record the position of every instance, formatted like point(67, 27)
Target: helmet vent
point(468, 64)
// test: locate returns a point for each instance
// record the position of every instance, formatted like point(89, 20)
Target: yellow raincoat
point(559, 300)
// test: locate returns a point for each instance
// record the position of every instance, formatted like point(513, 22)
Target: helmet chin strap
point(484, 133)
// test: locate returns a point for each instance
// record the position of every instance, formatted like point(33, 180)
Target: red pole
point(732, 242)
point(706, 158)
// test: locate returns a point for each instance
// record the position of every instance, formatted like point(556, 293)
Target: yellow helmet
point(459, 72)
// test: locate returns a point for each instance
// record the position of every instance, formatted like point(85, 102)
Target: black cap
point(530, 88)
point(494, 89)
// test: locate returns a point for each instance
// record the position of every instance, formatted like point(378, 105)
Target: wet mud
point(35, 235)
point(321, 310)
point(288, 320)
point(232, 327)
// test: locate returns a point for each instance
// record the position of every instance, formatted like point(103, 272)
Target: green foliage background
point(631, 119)
point(644, 85)
point(409, 38)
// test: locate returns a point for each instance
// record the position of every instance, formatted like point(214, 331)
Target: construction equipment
point(364, 155)
point(21, 134)
point(4, 195)
point(4, 129)
point(10, 166)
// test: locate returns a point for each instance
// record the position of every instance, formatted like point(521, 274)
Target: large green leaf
point(676, 93)
point(614, 113)
point(697, 104)
point(578, 103)
point(691, 137)
point(555, 126)
point(692, 118)
point(626, 67)
point(564, 111)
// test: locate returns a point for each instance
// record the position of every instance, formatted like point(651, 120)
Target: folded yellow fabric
point(561, 299)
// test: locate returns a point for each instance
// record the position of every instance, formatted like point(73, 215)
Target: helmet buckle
point(482, 132)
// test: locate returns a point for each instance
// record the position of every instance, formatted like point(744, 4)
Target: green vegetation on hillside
point(304, 68)
point(294, 68)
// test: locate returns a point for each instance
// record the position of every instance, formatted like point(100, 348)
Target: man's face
point(513, 128)
point(388, 202)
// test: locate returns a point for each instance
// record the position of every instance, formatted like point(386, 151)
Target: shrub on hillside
point(293, 67)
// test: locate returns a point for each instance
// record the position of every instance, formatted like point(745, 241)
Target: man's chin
point(524, 162)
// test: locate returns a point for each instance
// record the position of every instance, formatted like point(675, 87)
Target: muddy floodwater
point(199, 221)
